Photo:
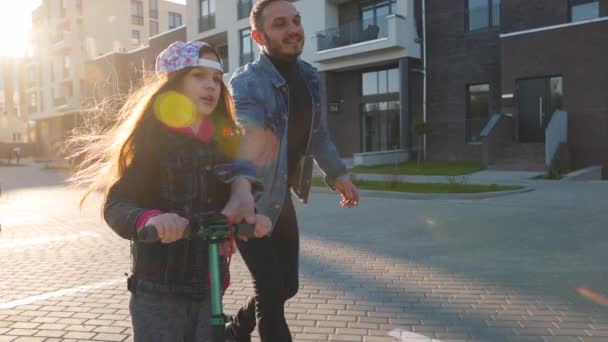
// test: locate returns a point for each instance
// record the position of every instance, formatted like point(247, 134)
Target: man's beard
point(274, 49)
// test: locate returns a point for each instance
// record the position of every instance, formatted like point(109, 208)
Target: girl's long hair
point(103, 154)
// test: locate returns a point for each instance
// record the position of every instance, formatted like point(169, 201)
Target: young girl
point(170, 162)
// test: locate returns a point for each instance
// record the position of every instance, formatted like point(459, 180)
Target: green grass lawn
point(426, 188)
point(428, 168)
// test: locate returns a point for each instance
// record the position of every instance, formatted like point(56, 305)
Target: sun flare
point(15, 26)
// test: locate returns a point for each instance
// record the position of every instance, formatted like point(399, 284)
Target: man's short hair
point(255, 17)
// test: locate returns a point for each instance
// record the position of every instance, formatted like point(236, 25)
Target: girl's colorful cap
point(180, 55)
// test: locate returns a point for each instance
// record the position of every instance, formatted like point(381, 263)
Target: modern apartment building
point(66, 34)
point(517, 83)
point(368, 53)
point(13, 103)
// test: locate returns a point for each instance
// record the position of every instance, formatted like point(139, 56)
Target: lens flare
point(595, 297)
point(175, 109)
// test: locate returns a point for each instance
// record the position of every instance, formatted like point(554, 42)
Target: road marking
point(32, 242)
point(45, 296)
point(408, 336)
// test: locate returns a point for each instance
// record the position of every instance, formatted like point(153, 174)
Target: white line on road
point(408, 336)
point(44, 296)
point(33, 242)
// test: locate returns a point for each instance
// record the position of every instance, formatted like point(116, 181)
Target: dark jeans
point(273, 263)
point(169, 318)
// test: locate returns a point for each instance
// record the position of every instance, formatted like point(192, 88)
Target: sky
point(15, 25)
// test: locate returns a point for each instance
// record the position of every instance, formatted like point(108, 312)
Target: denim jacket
point(261, 97)
point(173, 173)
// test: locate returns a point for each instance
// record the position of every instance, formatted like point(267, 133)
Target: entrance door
point(532, 104)
point(538, 99)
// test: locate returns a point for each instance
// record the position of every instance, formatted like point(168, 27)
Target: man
point(277, 101)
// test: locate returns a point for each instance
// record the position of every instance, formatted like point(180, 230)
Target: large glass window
point(373, 15)
point(137, 12)
point(244, 8)
point(153, 27)
point(380, 82)
point(482, 14)
point(154, 9)
point(381, 126)
point(175, 20)
point(584, 10)
point(478, 110)
point(135, 38)
point(207, 18)
point(246, 47)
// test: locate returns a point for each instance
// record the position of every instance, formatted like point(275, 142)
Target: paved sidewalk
point(497, 269)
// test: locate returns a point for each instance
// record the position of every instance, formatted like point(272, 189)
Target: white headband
point(203, 62)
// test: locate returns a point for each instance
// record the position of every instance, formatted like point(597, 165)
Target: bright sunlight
point(15, 26)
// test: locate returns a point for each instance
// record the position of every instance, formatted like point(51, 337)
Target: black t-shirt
point(300, 112)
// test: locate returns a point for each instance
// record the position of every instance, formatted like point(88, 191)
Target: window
point(64, 7)
point(482, 14)
point(66, 66)
point(246, 47)
point(33, 100)
point(207, 18)
point(135, 38)
point(137, 12)
point(380, 82)
point(175, 20)
point(244, 8)
point(478, 110)
point(584, 10)
point(556, 90)
point(66, 62)
point(154, 9)
point(153, 28)
point(381, 126)
point(373, 15)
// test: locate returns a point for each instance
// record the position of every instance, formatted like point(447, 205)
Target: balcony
point(358, 38)
point(206, 23)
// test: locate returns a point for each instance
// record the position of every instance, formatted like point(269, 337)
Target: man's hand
point(348, 191)
point(169, 227)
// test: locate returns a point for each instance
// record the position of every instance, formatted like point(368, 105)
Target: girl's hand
point(169, 226)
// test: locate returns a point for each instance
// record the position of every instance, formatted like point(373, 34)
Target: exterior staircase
point(521, 157)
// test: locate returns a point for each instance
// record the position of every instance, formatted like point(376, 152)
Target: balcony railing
point(206, 23)
point(244, 8)
point(246, 58)
point(351, 33)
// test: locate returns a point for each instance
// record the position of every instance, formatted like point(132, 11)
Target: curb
point(427, 196)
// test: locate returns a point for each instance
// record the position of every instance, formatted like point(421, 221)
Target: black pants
point(273, 263)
